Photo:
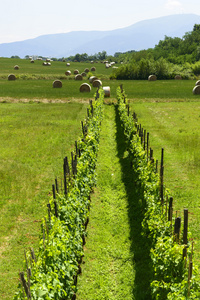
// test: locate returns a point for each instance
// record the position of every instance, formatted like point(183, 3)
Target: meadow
point(39, 125)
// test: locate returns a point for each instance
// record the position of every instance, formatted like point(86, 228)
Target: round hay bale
point(16, 67)
point(32, 61)
point(11, 77)
point(48, 64)
point(178, 77)
point(76, 72)
point(68, 73)
point(92, 78)
point(152, 78)
point(57, 84)
point(67, 64)
point(96, 83)
point(106, 91)
point(78, 77)
point(48, 59)
point(197, 82)
point(44, 63)
point(196, 90)
point(83, 74)
point(86, 70)
point(85, 87)
point(93, 69)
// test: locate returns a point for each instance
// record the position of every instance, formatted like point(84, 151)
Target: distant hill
point(141, 35)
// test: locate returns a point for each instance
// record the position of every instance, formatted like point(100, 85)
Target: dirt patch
point(36, 100)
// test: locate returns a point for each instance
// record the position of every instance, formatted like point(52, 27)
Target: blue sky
point(24, 19)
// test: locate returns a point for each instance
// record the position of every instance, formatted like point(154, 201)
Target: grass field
point(35, 137)
point(175, 127)
point(34, 140)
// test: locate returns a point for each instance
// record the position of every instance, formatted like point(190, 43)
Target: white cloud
point(173, 5)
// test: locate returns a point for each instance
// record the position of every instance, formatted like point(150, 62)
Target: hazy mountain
point(141, 35)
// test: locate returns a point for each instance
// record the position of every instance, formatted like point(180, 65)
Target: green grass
point(175, 127)
point(34, 140)
point(109, 271)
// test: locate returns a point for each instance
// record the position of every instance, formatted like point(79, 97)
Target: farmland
point(39, 125)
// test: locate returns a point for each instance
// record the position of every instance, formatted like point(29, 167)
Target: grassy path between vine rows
point(116, 262)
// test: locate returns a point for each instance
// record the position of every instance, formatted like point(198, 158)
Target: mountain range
point(141, 35)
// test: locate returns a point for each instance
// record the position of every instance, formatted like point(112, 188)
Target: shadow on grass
point(140, 245)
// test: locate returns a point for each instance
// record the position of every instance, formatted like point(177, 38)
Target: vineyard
point(112, 228)
point(53, 273)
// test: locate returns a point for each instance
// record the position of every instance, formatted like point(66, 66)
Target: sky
point(25, 19)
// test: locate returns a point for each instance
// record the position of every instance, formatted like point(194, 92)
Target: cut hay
point(93, 69)
point(106, 91)
point(11, 77)
point(68, 73)
point(76, 72)
point(92, 78)
point(32, 61)
point(96, 83)
point(67, 64)
point(83, 74)
point(57, 84)
point(152, 78)
point(197, 82)
point(86, 70)
point(85, 87)
point(16, 67)
point(196, 90)
point(178, 77)
point(78, 77)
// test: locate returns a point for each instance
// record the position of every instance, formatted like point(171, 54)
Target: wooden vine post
point(162, 177)
point(185, 232)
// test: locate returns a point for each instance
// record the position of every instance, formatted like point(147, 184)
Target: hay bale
point(85, 87)
point(178, 77)
point(44, 63)
point(78, 77)
point(93, 69)
point(106, 90)
point(32, 61)
point(197, 82)
point(68, 73)
point(96, 83)
point(68, 64)
point(86, 70)
point(57, 84)
point(83, 74)
point(48, 64)
point(152, 78)
point(16, 67)
point(11, 77)
point(92, 78)
point(76, 72)
point(196, 90)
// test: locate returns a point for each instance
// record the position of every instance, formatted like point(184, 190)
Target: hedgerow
point(170, 271)
point(52, 272)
